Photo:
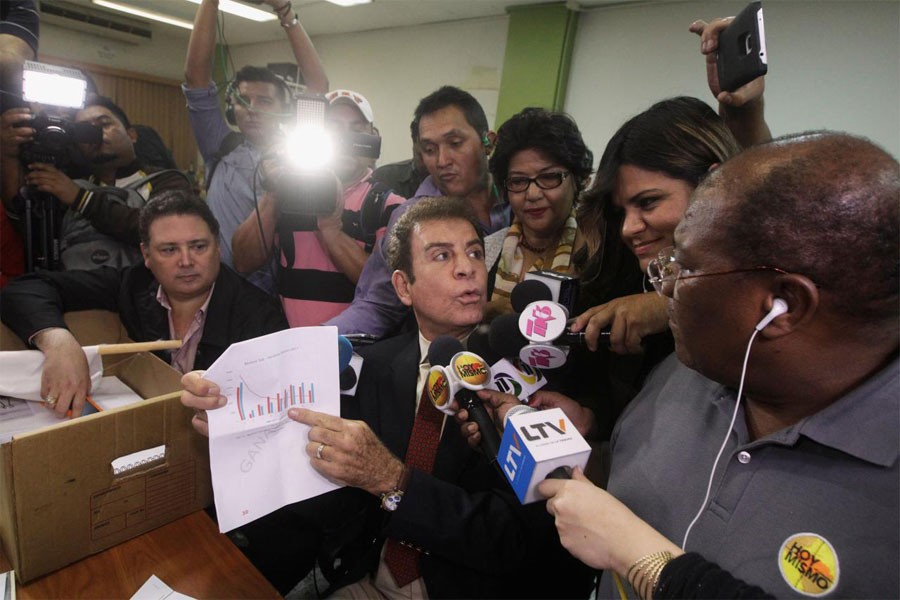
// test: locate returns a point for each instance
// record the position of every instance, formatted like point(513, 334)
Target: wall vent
point(95, 22)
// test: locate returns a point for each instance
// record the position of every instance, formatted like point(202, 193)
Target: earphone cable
point(712, 473)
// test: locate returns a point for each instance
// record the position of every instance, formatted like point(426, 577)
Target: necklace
point(524, 243)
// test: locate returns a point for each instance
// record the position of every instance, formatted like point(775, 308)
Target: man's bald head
point(825, 205)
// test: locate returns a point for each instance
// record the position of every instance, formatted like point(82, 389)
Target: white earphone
point(779, 307)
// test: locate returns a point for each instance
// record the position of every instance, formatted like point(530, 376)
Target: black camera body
point(54, 138)
point(313, 193)
point(306, 193)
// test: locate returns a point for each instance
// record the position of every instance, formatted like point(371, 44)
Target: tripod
point(41, 237)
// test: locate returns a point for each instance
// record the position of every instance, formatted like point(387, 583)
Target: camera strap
point(229, 143)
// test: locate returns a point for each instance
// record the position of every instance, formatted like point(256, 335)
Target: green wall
point(538, 54)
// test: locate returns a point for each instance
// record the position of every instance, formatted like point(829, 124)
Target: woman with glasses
point(541, 164)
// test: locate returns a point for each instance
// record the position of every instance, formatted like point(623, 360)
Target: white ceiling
point(320, 17)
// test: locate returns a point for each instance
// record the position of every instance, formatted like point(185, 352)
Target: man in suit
point(180, 291)
point(445, 527)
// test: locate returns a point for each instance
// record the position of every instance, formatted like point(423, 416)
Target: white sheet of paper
point(21, 416)
point(20, 372)
point(156, 589)
point(8, 585)
point(257, 455)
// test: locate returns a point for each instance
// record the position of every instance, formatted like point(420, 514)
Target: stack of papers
point(18, 416)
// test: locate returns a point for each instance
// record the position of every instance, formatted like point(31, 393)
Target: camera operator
point(321, 256)
point(257, 101)
point(99, 215)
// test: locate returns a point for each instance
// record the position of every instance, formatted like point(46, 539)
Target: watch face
point(391, 501)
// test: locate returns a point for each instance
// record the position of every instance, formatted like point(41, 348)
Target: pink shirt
point(309, 254)
point(183, 358)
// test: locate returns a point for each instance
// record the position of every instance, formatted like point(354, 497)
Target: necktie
point(403, 561)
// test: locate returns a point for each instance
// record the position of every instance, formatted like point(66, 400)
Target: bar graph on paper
point(251, 404)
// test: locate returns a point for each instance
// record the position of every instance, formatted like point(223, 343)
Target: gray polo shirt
point(811, 510)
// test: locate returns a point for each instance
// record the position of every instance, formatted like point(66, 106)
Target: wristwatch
point(391, 500)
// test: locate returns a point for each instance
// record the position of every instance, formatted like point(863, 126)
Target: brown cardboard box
point(59, 498)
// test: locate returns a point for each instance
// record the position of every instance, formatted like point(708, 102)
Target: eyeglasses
point(545, 181)
point(665, 270)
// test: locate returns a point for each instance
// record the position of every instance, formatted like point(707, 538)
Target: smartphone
point(361, 339)
point(742, 49)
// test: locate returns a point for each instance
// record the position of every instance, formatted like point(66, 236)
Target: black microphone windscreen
point(479, 343)
point(442, 349)
point(528, 291)
point(505, 337)
point(347, 379)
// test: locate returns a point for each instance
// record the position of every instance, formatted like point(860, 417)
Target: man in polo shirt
point(451, 133)
point(783, 301)
point(321, 257)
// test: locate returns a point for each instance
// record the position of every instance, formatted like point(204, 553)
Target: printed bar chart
point(251, 405)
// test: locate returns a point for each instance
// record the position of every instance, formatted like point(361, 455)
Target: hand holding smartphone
point(742, 49)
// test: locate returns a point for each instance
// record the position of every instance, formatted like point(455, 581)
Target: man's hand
point(201, 395)
point(12, 135)
point(47, 178)
point(581, 416)
point(596, 528)
point(66, 379)
point(709, 43)
point(497, 405)
point(632, 318)
point(348, 452)
point(333, 224)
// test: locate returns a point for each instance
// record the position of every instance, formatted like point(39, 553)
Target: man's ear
point(489, 141)
point(802, 298)
point(401, 285)
point(146, 254)
point(133, 134)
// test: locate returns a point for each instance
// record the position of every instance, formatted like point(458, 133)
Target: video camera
point(54, 139)
point(306, 185)
point(54, 136)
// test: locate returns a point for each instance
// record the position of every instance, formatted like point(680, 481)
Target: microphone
point(508, 340)
point(538, 336)
point(349, 365)
point(456, 373)
point(345, 352)
point(527, 291)
point(537, 445)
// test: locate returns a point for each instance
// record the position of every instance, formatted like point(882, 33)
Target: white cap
point(353, 98)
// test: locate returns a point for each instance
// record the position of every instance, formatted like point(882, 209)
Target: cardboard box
point(59, 497)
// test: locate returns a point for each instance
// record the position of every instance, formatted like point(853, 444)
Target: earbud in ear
point(485, 141)
point(779, 307)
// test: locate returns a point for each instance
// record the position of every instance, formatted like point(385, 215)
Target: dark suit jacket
point(477, 540)
point(238, 310)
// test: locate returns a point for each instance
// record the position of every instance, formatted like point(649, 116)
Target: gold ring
point(50, 400)
point(319, 451)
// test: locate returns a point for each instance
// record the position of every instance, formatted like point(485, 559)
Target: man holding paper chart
point(447, 525)
point(180, 292)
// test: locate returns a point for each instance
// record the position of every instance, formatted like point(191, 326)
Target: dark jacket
point(477, 540)
point(238, 310)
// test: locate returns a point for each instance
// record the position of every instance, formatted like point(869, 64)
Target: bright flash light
point(309, 147)
point(53, 85)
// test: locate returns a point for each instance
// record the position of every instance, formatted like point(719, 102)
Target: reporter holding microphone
point(755, 410)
